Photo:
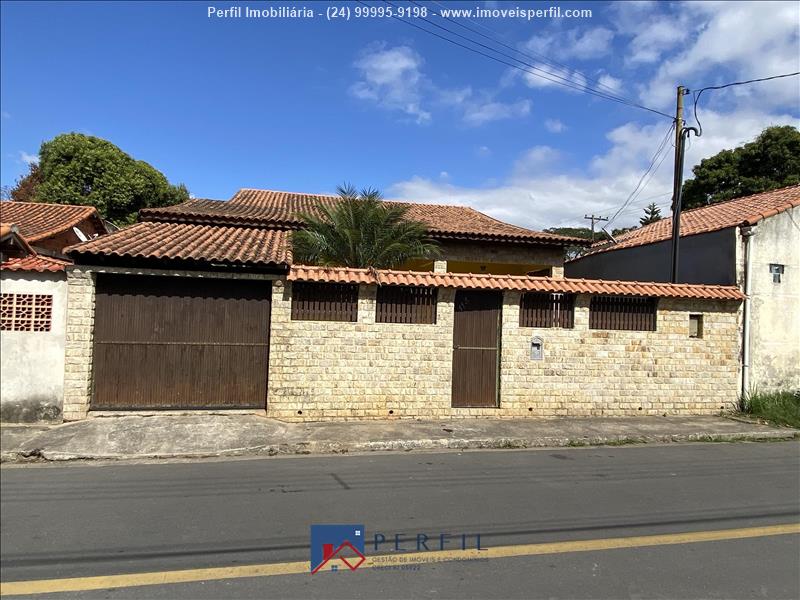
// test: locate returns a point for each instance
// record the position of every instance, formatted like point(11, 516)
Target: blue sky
point(305, 104)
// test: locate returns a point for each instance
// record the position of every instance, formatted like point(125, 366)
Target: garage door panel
point(168, 343)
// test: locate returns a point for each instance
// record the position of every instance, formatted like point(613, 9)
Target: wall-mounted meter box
point(537, 348)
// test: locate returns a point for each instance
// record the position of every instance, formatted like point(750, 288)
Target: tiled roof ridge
point(38, 263)
point(192, 241)
point(513, 282)
point(277, 209)
point(81, 211)
point(626, 239)
point(337, 197)
point(82, 206)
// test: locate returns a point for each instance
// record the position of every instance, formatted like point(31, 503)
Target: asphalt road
point(77, 521)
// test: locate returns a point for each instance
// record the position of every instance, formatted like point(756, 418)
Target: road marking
point(80, 584)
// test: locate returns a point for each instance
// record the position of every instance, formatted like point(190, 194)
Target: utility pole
point(677, 183)
point(594, 219)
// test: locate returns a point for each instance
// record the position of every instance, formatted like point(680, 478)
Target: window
point(324, 301)
point(547, 310)
point(695, 326)
point(406, 304)
point(26, 312)
point(630, 313)
point(777, 272)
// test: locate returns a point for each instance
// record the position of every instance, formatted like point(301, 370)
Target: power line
point(698, 93)
point(584, 89)
point(639, 187)
point(564, 80)
point(533, 54)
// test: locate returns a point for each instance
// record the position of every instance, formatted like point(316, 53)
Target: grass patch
point(782, 408)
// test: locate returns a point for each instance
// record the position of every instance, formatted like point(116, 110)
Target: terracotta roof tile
point(233, 245)
point(35, 262)
point(279, 209)
point(513, 282)
point(747, 210)
point(38, 220)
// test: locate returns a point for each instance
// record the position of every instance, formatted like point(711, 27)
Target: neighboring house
point(33, 303)
point(200, 306)
point(752, 242)
point(471, 242)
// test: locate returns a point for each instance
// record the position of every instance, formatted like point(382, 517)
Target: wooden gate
point(180, 342)
point(476, 348)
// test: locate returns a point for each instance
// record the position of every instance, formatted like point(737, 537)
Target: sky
point(307, 104)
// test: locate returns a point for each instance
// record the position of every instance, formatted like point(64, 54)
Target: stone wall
point(333, 370)
point(365, 370)
point(78, 348)
point(592, 372)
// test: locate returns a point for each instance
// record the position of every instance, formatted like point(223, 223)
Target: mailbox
point(537, 348)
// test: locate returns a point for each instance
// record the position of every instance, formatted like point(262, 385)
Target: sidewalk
point(196, 436)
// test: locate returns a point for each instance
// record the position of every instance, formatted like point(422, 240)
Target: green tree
point(651, 214)
point(82, 169)
point(361, 231)
point(26, 187)
point(769, 162)
point(571, 252)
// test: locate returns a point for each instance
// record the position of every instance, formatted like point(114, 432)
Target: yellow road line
point(77, 584)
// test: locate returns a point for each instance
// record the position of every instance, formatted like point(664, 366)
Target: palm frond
point(361, 231)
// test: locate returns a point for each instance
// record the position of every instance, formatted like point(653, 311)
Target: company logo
point(334, 546)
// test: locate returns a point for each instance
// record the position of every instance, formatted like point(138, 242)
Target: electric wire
point(532, 54)
point(651, 168)
point(697, 93)
point(584, 89)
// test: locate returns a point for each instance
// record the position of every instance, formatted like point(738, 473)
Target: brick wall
point(78, 345)
point(332, 370)
point(366, 370)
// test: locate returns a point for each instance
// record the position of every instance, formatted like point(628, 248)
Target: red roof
point(522, 283)
point(38, 220)
point(747, 210)
point(35, 262)
point(155, 240)
point(280, 210)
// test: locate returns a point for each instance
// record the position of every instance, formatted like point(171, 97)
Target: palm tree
point(361, 231)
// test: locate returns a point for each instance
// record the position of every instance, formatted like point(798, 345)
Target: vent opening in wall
point(26, 312)
point(777, 272)
point(695, 326)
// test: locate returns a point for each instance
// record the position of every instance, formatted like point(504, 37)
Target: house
point(33, 303)
point(200, 306)
point(752, 242)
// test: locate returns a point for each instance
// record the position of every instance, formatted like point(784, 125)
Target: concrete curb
point(327, 447)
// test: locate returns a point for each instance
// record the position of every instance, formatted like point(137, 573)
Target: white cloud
point(483, 151)
point(535, 194)
point(554, 126)
point(392, 78)
point(750, 39)
point(573, 43)
point(542, 76)
point(477, 113)
point(610, 83)
point(655, 37)
point(28, 158)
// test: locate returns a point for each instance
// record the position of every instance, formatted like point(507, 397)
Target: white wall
point(32, 362)
point(775, 341)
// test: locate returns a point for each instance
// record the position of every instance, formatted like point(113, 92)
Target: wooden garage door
point(180, 342)
point(476, 348)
